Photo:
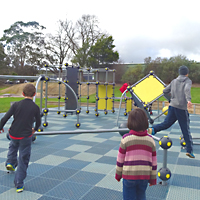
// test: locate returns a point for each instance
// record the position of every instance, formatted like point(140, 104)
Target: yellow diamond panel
point(148, 89)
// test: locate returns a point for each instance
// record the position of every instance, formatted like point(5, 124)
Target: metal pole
point(19, 77)
point(85, 131)
point(88, 85)
point(41, 95)
point(106, 90)
point(80, 78)
point(164, 163)
point(113, 101)
point(120, 107)
point(59, 89)
point(158, 109)
point(97, 90)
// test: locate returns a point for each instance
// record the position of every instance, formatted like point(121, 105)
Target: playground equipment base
point(83, 166)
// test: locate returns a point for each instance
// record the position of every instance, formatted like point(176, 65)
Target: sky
point(140, 29)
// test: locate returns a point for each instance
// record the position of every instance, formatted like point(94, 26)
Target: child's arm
point(38, 121)
point(153, 178)
point(6, 117)
point(120, 161)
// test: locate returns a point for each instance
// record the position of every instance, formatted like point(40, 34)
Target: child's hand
point(33, 131)
point(189, 104)
point(1, 131)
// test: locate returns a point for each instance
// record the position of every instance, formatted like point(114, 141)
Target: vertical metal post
point(66, 90)
point(41, 95)
point(46, 96)
point(164, 163)
point(59, 95)
point(106, 90)
point(80, 79)
point(97, 87)
point(158, 109)
point(88, 85)
point(113, 100)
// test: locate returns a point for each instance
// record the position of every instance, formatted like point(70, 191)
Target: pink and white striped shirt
point(137, 158)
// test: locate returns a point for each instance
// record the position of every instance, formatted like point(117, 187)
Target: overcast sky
point(139, 28)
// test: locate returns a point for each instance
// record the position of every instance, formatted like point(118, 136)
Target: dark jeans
point(134, 189)
point(24, 147)
point(182, 116)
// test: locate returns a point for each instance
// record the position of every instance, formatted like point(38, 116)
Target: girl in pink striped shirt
point(136, 160)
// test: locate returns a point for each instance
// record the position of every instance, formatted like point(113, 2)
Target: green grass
point(6, 101)
point(195, 94)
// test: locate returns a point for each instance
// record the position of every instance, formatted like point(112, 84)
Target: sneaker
point(151, 131)
point(191, 155)
point(10, 167)
point(18, 190)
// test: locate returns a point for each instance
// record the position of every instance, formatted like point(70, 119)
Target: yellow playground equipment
point(145, 92)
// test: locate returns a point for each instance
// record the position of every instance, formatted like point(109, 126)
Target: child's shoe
point(18, 190)
point(151, 131)
point(191, 155)
point(10, 167)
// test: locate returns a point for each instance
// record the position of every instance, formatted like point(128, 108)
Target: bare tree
point(70, 33)
point(82, 36)
point(57, 48)
point(73, 40)
point(88, 30)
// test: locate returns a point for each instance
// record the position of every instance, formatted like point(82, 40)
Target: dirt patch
point(53, 89)
point(195, 85)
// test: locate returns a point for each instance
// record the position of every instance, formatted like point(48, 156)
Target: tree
point(194, 72)
point(57, 48)
point(133, 74)
point(153, 65)
point(81, 37)
point(102, 53)
point(24, 45)
point(166, 69)
point(4, 61)
point(82, 55)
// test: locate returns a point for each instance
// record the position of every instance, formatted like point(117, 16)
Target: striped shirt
point(136, 158)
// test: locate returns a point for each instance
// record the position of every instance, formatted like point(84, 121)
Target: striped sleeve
point(153, 176)
point(120, 161)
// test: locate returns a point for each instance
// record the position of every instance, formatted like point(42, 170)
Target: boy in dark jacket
point(180, 91)
point(24, 113)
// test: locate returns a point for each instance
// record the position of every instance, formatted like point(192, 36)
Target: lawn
point(6, 101)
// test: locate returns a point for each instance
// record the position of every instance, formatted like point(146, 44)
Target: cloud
point(181, 39)
point(139, 28)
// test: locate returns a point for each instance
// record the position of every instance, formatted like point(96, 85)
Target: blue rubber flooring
point(82, 166)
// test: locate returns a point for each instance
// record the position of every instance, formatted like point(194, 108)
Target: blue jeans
point(134, 189)
point(24, 147)
point(182, 116)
